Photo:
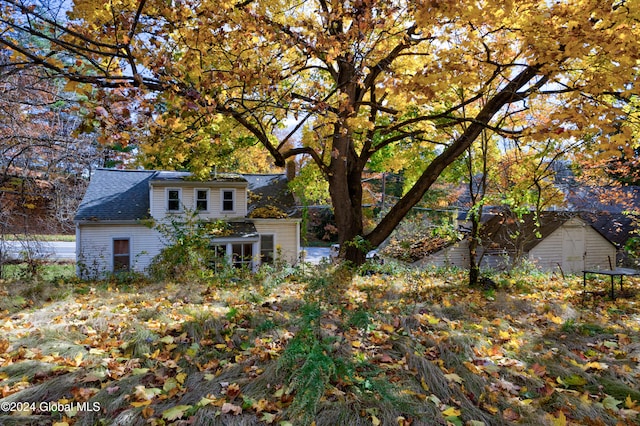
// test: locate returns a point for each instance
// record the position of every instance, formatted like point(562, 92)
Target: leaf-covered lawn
point(323, 346)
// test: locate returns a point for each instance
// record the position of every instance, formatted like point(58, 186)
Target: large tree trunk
point(345, 171)
point(345, 188)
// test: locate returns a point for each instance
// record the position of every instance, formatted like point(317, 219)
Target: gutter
point(108, 222)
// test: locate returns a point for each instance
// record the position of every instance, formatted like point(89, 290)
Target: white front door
point(573, 249)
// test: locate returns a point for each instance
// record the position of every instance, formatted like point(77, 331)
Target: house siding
point(495, 259)
point(601, 254)
point(158, 201)
point(286, 235)
point(548, 254)
point(94, 244)
point(94, 247)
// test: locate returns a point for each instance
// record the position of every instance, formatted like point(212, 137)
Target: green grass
point(22, 287)
point(46, 272)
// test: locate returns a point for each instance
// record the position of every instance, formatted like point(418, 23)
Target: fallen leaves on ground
point(427, 346)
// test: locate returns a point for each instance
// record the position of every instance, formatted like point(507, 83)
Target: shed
point(552, 240)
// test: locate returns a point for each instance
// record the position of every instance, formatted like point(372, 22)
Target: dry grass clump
point(328, 347)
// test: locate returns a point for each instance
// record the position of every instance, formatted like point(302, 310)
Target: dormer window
point(202, 200)
point(173, 200)
point(228, 198)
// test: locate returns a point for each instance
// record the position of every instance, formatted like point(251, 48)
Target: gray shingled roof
point(237, 230)
point(270, 190)
point(116, 195)
point(123, 195)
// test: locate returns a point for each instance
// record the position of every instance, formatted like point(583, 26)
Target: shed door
point(573, 249)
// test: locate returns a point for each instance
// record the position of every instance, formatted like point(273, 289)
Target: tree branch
point(385, 62)
point(508, 94)
point(305, 150)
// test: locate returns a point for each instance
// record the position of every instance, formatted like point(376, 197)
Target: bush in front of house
point(188, 256)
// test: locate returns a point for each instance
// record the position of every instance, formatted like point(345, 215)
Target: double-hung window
point(228, 200)
point(174, 199)
point(202, 200)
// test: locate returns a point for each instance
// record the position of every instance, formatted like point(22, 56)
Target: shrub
point(189, 255)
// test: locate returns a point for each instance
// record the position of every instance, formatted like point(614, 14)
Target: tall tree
point(360, 75)
point(477, 163)
point(508, 175)
point(41, 163)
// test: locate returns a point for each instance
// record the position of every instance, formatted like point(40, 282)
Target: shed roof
point(616, 227)
point(605, 208)
point(506, 231)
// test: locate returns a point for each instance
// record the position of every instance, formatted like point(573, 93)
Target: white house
point(112, 232)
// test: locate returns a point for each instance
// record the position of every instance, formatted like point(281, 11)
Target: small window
point(173, 200)
point(266, 249)
point(202, 200)
point(121, 255)
point(227, 200)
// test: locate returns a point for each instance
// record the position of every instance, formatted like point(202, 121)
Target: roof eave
point(109, 222)
point(167, 183)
